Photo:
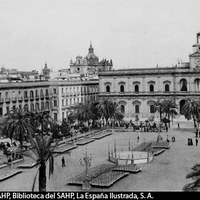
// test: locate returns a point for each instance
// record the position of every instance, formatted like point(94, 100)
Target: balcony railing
point(20, 98)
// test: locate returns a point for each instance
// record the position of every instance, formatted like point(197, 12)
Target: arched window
point(166, 87)
point(47, 105)
point(32, 107)
point(121, 88)
point(151, 88)
point(26, 107)
point(42, 106)
point(107, 88)
point(25, 94)
point(136, 88)
point(37, 107)
point(183, 84)
point(197, 84)
point(152, 109)
point(137, 109)
point(31, 94)
point(122, 108)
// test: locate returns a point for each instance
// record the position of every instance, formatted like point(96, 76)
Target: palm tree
point(169, 108)
point(42, 121)
point(17, 125)
point(43, 152)
point(195, 175)
point(105, 108)
point(191, 110)
point(159, 108)
point(116, 113)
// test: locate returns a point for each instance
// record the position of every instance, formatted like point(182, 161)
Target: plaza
point(166, 172)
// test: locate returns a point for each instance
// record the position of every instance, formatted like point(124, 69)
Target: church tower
point(195, 56)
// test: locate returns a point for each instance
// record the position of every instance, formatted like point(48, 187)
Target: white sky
point(133, 33)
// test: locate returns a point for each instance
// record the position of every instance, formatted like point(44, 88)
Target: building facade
point(137, 90)
point(53, 96)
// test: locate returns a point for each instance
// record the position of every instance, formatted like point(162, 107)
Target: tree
point(42, 121)
point(195, 175)
point(191, 110)
point(17, 125)
point(169, 108)
point(159, 108)
point(65, 128)
point(43, 151)
point(105, 108)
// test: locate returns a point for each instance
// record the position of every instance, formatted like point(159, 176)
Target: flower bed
point(64, 148)
point(128, 168)
point(85, 141)
point(108, 178)
point(101, 135)
point(144, 146)
point(8, 173)
point(161, 144)
point(92, 173)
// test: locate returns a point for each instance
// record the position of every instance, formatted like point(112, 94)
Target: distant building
point(137, 89)
point(90, 65)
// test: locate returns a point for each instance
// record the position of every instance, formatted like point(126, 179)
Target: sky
point(133, 33)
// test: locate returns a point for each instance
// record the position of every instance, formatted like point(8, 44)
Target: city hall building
point(136, 90)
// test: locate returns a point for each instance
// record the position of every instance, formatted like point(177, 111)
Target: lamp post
point(86, 162)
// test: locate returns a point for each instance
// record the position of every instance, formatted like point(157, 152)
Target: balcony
point(31, 98)
point(26, 98)
point(37, 97)
point(1, 100)
point(14, 99)
point(7, 99)
point(20, 99)
point(41, 96)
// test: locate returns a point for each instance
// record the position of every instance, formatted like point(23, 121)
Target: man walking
point(196, 142)
point(63, 161)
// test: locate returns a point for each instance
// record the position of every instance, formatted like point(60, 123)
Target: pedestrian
point(166, 128)
point(178, 126)
point(196, 142)
point(63, 161)
point(138, 138)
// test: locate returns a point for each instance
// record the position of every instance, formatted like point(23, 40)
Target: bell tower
point(195, 56)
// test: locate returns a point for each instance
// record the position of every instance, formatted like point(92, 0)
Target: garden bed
point(161, 144)
point(64, 148)
point(144, 146)
point(108, 178)
point(128, 168)
point(101, 135)
point(8, 173)
point(92, 173)
point(85, 141)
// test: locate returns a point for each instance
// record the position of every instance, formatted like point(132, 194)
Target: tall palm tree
point(17, 125)
point(43, 152)
point(191, 110)
point(195, 175)
point(83, 112)
point(169, 108)
point(116, 113)
point(105, 108)
point(159, 108)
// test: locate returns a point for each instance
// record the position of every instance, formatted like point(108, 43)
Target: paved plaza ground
point(165, 173)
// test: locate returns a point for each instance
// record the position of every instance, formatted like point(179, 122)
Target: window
point(167, 88)
point(63, 115)
point(20, 106)
point(121, 88)
point(25, 107)
point(47, 92)
point(197, 84)
point(122, 108)
point(1, 111)
point(25, 94)
point(55, 102)
point(55, 115)
point(107, 88)
point(36, 93)
point(66, 102)
point(47, 105)
point(136, 88)
point(32, 107)
point(42, 106)
point(7, 109)
point(183, 85)
point(62, 90)
point(137, 109)
point(54, 90)
point(31, 94)
point(151, 88)
point(37, 107)
point(152, 109)
point(62, 102)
